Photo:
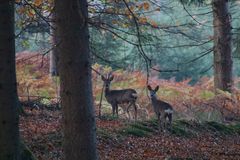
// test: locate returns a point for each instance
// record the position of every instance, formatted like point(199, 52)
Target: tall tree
point(53, 54)
point(222, 45)
point(222, 38)
point(75, 80)
point(9, 131)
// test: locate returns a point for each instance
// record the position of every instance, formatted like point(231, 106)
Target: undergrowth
point(34, 82)
point(180, 128)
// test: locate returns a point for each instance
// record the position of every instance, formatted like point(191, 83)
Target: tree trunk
point(53, 54)
point(75, 80)
point(9, 131)
point(222, 45)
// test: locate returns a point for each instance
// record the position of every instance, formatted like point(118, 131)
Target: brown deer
point(162, 109)
point(116, 97)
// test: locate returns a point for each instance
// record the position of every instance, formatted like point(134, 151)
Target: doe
point(162, 109)
point(116, 97)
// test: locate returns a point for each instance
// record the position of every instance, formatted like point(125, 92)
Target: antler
point(109, 75)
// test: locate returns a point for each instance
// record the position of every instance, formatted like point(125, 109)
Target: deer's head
point(107, 80)
point(152, 91)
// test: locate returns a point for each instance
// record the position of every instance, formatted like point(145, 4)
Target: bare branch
point(192, 16)
point(204, 53)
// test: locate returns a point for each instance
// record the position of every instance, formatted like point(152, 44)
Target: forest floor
point(118, 139)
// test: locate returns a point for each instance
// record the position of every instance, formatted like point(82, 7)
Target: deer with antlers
point(116, 97)
point(162, 109)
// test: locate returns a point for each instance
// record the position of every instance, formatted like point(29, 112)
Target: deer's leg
point(123, 106)
point(113, 108)
point(116, 107)
point(163, 121)
point(158, 119)
point(129, 117)
point(135, 111)
point(159, 122)
point(170, 120)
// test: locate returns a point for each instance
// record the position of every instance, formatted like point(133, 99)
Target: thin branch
point(206, 70)
point(140, 49)
point(188, 45)
point(165, 70)
point(192, 16)
point(35, 55)
point(197, 58)
point(96, 71)
point(105, 60)
point(39, 14)
point(107, 29)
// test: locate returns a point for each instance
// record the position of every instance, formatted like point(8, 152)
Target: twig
point(96, 71)
point(193, 17)
point(203, 54)
point(167, 70)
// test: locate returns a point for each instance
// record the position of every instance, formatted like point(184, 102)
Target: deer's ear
point(149, 87)
point(156, 89)
point(103, 78)
point(111, 77)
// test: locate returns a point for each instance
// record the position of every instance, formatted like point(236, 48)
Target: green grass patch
point(103, 133)
point(214, 115)
point(45, 101)
point(222, 128)
point(183, 123)
point(186, 128)
point(139, 129)
point(173, 93)
point(190, 128)
point(134, 131)
point(142, 127)
point(182, 128)
point(235, 128)
point(205, 94)
point(109, 117)
point(153, 123)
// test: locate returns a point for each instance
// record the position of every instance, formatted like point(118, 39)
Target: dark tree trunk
point(75, 80)
point(9, 131)
point(222, 45)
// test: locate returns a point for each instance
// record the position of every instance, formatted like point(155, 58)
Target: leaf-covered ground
point(121, 140)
